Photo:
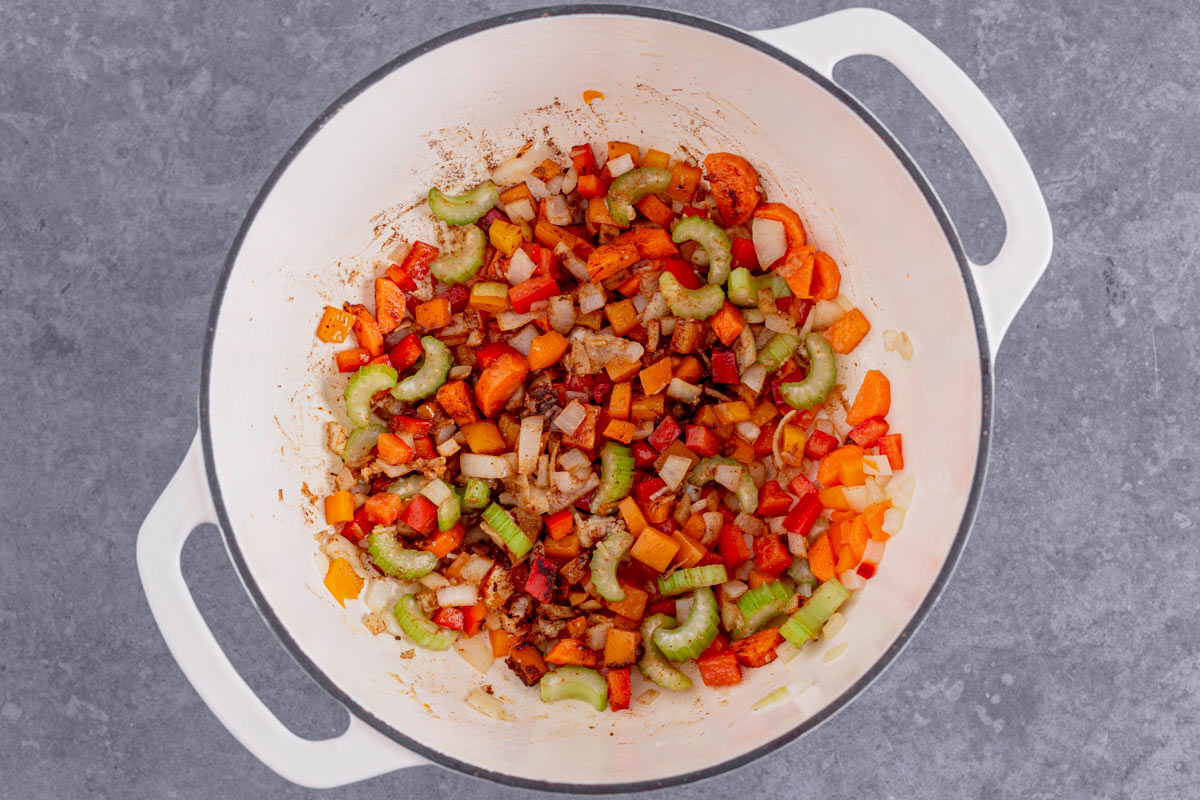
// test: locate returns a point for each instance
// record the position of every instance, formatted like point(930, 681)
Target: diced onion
point(434, 580)
point(488, 704)
point(520, 211)
point(833, 625)
point(511, 320)
point(889, 340)
point(569, 180)
point(667, 325)
point(520, 166)
point(713, 521)
point(674, 470)
point(520, 267)
point(732, 590)
point(475, 569)
point(561, 313)
point(445, 432)
point(682, 390)
point(529, 444)
point(729, 475)
point(574, 264)
point(620, 165)
point(463, 594)
point(749, 524)
point(448, 448)
point(874, 493)
point(647, 697)
point(779, 323)
point(476, 650)
point(797, 544)
point(475, 465)
point(570, 418)
point(597, 634)
point(564, 482)
point(775, 525)
point(437, 491)
point(904, 346)
point(901, 492)
point(655, 309)
point(877, 465)
point(837, 651)
point(893, 521)
point(523, 342)
point(873, 553)
point(753, 316)
point(640, 303)
point(856, 497)
point(825, 313)
point(852, 580)
point(748, 430)
point(745, 349)
point(775, 439)
point(381, 593)
point(554, 186)
point(754, 377)
point(591, 297)
point(770, 240)
point(573, 459)
point(845, 303)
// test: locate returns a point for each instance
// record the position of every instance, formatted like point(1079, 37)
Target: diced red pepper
point(777, 384)
point(525, 294)
point(744, 254)
point(773, 500)
point(542, 577)
point(423, 447)
point(620, 691)
point(450, 617)
point(770, 556)
point(420, 514)
point(560, 523)
point(383, 508)
point(547, 263)
point(724, 367)
point(359, 527)
point(644, 489)
point(702, 441)
point(820, 444)
point(487, 354)
point(473, 617)
point(867, 432)
point(693, 211)
point(416, 263)
point(458, 295)
point(414, 425)
point(866, 570)
point(719, 645)
point(802, 486)
point(398, 276)
point(683, 272)
point(643, 454)
point(584, 160)
point(350, 360)
point(630, 286)
point(493, 214)
point(720, 670)
point(667, 431)
point(406, 352)
point(732, 546)
point(602, 390)
point(585, 503)
point(764, 444)
point(801, 518)
point(664, 606)
point(800, 315)
point(892, 446)
point(590, 186)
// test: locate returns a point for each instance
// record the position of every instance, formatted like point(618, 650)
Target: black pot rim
point(885, 658)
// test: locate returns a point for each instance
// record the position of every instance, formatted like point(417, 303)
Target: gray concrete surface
point(1061, 662)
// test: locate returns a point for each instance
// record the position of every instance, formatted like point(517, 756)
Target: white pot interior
point(320, 233)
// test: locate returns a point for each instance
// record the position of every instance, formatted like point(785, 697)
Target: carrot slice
point(820, 559)
point(874, 398)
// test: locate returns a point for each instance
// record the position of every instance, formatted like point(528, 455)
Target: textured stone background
point(1061, 662)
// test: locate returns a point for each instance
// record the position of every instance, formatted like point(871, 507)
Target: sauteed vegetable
point(602, 432)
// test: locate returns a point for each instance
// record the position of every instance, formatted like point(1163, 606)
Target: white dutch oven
point(325, 216)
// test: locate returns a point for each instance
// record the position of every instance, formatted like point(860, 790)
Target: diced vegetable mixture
point(603, 434)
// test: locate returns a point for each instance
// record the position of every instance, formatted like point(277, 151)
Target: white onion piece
point(901, 492)
point(520, 267)
point(779, 323)
point(749, 523)
point(713, 522)
point(464, 594)
point(852, 580)
point(476, 569)
point(564, 482)
point(520, 211)
point(569, 180)
point(797, 544)
point(655, 309)
point(434, 580)
point(873, 553)
point(488, 704)
point(511, 320)
point(775, 525)
point(856, 497)
point(745, 349)
point(833, 625)
point(381, 593)
point(475, 465)
point(893, 521)
point(523, 341)
point(640, 303)
point(877, 465)
point(591, 297)
point(682, 390)
point(529, 444)
point(476, 651)
point(754, 377)
point(436, 491)
point(728, 475)
point(748, 430)
point(904, 346)
point(445, 432)
point(889, 340)
point(536, 188)
point(448, 448)
point(770, 240)
point(573, 459)
point(561, 313)
point(845, 303)
point(574, 264)
point(874, 493)
point(620, 165)
point(597, 634)
point(517, 168)
point(554, 186)
point(732, 590)
point(557, 212)
point(674, 470)
point(825, 313)
point(570, 418)
point(775, 439)
point(667, 325)
point(753, 316)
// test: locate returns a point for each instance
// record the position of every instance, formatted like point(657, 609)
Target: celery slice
point(605, 559)
point(503, 524)
point(463, 209)
point(616, 477)
point(778, 350)
point(715, 242)
point(361, 441)
point(397, 561)
point(685, 580)
point(408, 485)
point(363, 385)
point(706, 471)
point(575, 683)
point(430, 376)
point(652, 665)
point(699, 303)
point(461, 265)
point(476, 494)
point(805, 623)
point(449, 511)
point(760, 604)
point(697, 631)
point(631, 187)
point(420, 628)
point(822, 373)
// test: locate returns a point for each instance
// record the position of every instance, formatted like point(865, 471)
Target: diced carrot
point(497, 383)
point(757, 650)
point(650, 242)
point(620, 400)
point(484, 437)
point(335, 325)
point(874, 398)
point(342, 581)
point(455, 399)
point(656, 158)
point(618, 149)
point(597, 213)
point(367, 330)
point(527, 662)
point(827, 278)
point(690, 550)
point(658, 511)
point(684, 180)
point(433, 315)
point(758, 578)
point(620, 431)
point(857, 536)
point(743, 451)
point(501, 641)
point(631, 512)
point(820, 559)
point(842, 466)
point(793, 228)
point(654, 549)
point(389, 304)
point(546, 350)
point(873, 516)
point(549, 235)
point(620, 647)
point(656, 211)
point(445, 542)
point(610, 259)
point(584, 436)
point(797, 269)
point(620, 370)
point(633, 606)
point(630, 286)
point(352, 359)
point(694, 527)
point(763, 413)
point(721, 669)
point(734, 186)
point(577, 627)
point(393, 449)
point(845, 334)
point(648, 407)
point(732, 412)
point(892, 446)
point(383, 508)
point(656, 376)
point(622, 316)
point(564, 549)
point(833, 497)
point(728, 323)
point(689, 369)
point(339, 507)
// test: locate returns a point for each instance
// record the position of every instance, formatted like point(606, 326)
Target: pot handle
point(359, 753)
point(1005, 283)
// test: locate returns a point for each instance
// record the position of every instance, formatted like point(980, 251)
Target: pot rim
point(943, 576)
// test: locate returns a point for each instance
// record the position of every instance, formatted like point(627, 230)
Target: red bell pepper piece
point(458, 295)
point(450, 617)
point(664, 606)
point(801, 518)
point(770, 556)
point(383, 508)
point(406, 352)
point(866, 570)
point(819, 445)
point(591, 186)
point(473, 617)
point(683, 272)
point(619, 689)
point(744, 254)
point(547, 263)
point(644, 489)
point(777, 383)
point(667, 431)
point(702, 441)
point(487, 354)
point(584, 160)
point(719, 645)
point(359, 527)
point(892, 446)
point(542, 577)
point(720, 670)
point(724, 367)
point(525, 294)
point(416, 263)
point(560, 523)
point(693, 211)
point(585, 503)
point(773, 500)
point(493, 214)
point(420, 514)
point(732, 546)
point(350, 360)
point(601, 391)
point(802, 486)
point(643, 454)
point(414, 425)
point(763, 445)
point(423, 447)
point(867, 432)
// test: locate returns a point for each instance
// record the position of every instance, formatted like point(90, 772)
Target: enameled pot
point(434, 115)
